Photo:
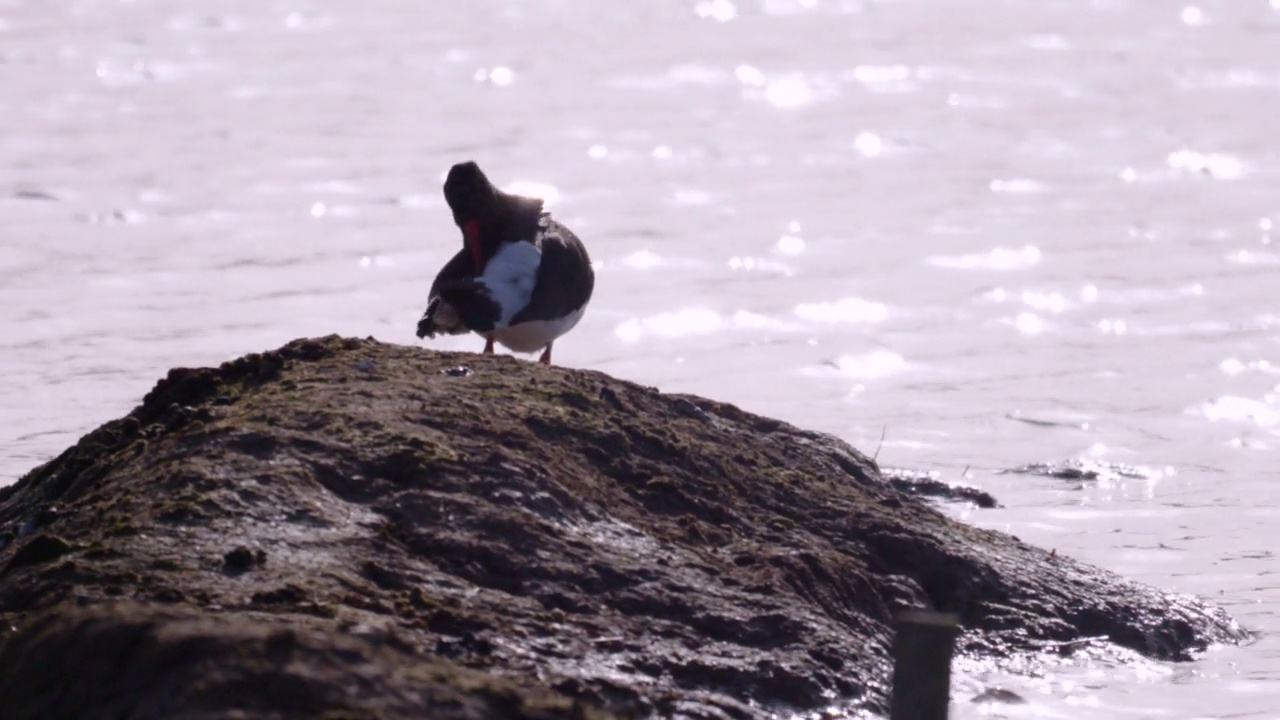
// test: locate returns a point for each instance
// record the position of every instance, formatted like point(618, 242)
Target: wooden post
point(922, 648)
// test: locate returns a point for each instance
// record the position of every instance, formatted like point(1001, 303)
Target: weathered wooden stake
point(922, 649)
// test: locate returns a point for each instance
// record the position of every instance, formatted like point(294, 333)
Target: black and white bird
point(521, 279)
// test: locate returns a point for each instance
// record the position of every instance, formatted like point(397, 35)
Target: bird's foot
point(488, 347)
point(546, 356)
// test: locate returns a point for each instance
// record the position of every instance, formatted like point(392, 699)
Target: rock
point(998, 695)
point(37, 550)
point(590, 541)
point(242, 559)
point(924, 484)
point(1085, 469)
point(144, 662)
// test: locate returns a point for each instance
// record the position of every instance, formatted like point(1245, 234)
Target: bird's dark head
point(486, 215)
point(469, 193)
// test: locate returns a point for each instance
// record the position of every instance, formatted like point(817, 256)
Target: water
point(993, 232)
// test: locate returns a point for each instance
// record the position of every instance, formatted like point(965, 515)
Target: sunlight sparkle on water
point(788, 92)
point(1235, 366)
point(748, 75)
point(868, 144)
point(722, 10)
point(686, 321)
point(1051, 302)
point(744, 319)
point(881, 73)
point(995, 259)
point(883, 78)
point(845, 310)
point(695, 321)
point(785, 92)
point(787, 7)
point(1046, 302)
point(1248, 257)
point(1016, 185)
point(868, 366)
point(1028, 323)
point(642, 260)
point(962, 170)
point(498, 75)
point(751, 264)
point(691, 196)
point(1047, 42)
point(790, 245)
point(1110, 326)
point(1215, 165)
point(687, 74)
point(376, 261)
point(1238, 409)
point(305, 21)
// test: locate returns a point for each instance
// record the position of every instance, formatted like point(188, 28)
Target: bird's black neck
point(508, 219)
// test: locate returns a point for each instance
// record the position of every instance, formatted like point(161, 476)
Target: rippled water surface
point(995, 231)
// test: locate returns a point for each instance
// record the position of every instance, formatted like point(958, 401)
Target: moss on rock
point(485, 532)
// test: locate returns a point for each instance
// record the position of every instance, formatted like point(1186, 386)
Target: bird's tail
point(442, 318)
point(427, 327)
point(470, 300)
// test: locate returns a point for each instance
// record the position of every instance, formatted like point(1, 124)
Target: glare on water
point(992, 232)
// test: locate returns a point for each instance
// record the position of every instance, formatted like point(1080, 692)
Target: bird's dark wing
point(565, 278)
point(459, 267)
point(439, 318)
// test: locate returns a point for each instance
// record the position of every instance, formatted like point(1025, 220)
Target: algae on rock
point(580, 540)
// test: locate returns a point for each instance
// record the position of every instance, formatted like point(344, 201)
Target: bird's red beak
point(471, 233)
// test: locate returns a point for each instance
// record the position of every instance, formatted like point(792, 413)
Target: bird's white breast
point(534, 335)
point(510, 277)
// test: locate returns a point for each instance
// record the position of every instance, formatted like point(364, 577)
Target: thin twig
point(883, 430)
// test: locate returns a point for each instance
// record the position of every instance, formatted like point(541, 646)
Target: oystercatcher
point(521, 279)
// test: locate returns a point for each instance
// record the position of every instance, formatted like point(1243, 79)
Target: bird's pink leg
point(546, 355)
point(488, 346)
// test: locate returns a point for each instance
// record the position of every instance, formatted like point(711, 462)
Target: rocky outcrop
point(387, 531)
point(133, 661)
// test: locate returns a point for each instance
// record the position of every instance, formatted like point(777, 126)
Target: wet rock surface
point(167, 663)
point(512, 538)
point(925, 484)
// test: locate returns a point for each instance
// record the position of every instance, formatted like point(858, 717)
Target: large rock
point(388, 530)
point(126, 661)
